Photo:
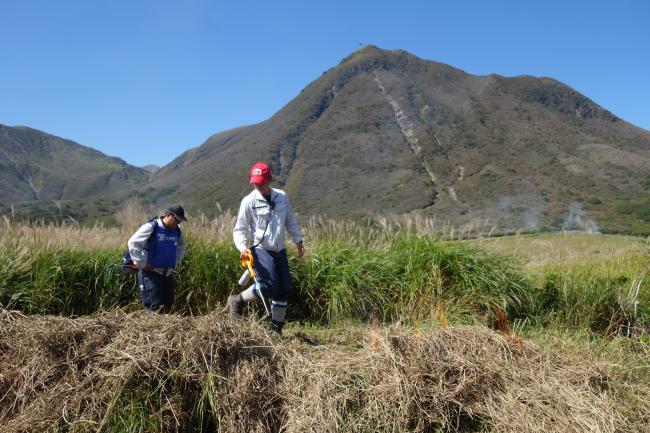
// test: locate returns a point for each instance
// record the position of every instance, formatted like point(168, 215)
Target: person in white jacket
point(263, 217)
point(156, 249)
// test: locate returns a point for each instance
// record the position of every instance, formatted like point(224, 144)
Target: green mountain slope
point(387, 132)
point(39, 168)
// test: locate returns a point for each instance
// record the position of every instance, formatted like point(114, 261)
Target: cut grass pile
point(137, 372)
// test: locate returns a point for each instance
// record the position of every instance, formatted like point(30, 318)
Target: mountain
point(151, 168)
point(383, 132)
point(387, 132)
point(37, 168)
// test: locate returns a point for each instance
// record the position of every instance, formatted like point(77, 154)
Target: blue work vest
point(161, 251)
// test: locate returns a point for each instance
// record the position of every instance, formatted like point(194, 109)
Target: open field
point(538, 250)
point(583, 272)
point(399, 269)
point(397, 325)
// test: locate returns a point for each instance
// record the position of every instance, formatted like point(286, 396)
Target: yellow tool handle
point(247, 262)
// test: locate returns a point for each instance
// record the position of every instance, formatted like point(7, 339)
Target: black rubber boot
point(276, 331)
point(235, 305)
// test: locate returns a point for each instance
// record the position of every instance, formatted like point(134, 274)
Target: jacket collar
point(161, 224)
point(258, 195)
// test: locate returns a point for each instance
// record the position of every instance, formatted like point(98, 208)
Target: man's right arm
point(137, 244)
point(241, 227)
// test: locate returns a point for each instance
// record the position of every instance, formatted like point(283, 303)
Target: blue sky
point(147, 80)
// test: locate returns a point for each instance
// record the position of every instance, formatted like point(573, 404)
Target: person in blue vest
point(264, 216)
point(156, 249)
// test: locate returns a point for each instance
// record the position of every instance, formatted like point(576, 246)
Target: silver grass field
point(396, 324)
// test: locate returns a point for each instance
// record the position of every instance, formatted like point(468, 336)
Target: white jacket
point(264, 222)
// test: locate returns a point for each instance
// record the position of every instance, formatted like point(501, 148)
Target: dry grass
point(62, 374)
point(374, 232)
point(536, 250)
point(137, 372)
point(460, 379)
point(58, 236)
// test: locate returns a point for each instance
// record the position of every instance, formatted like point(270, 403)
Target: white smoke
point(531, 216)
point(504, 207)
point(520, 212)
point(577, 220)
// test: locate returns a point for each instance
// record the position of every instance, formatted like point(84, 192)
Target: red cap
point(260, 172)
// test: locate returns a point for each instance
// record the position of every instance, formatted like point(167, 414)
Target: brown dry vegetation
point(137, 372)
point(133, 213)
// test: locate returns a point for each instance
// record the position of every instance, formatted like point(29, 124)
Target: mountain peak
point(366, 51)
point(372, 53)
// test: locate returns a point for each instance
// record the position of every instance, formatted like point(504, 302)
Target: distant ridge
point(151, 168)
point(36, 167)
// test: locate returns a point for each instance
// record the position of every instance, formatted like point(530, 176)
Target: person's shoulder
point(248, 198)
point(148, 225)
point(279, 192)
point(144, 228)
point(154, 224)
point(280, 195)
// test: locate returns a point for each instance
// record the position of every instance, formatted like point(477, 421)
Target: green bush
point(411, 277)
point(593, 296)
point(407, 278)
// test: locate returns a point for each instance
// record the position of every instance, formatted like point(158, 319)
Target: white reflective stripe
point(249, 295)
point(279, 304)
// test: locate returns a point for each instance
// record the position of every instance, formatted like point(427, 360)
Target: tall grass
point(598, 283)
point(62, 281)
point(411, 277)
point(385, 269)
point(609, 295)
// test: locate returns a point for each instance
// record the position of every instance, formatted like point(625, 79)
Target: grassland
point(387, 270)
point(571, 310)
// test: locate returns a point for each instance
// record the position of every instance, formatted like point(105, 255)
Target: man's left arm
point(293, 227)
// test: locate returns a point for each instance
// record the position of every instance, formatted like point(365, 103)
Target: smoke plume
point(577, 220)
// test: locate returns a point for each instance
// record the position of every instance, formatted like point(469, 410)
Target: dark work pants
point(156, 291)
point(272, 269)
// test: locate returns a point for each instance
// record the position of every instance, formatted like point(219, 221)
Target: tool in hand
point(247, 262)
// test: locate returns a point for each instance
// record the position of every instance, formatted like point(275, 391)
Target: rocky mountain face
point(36, 167)
point(387, 132)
